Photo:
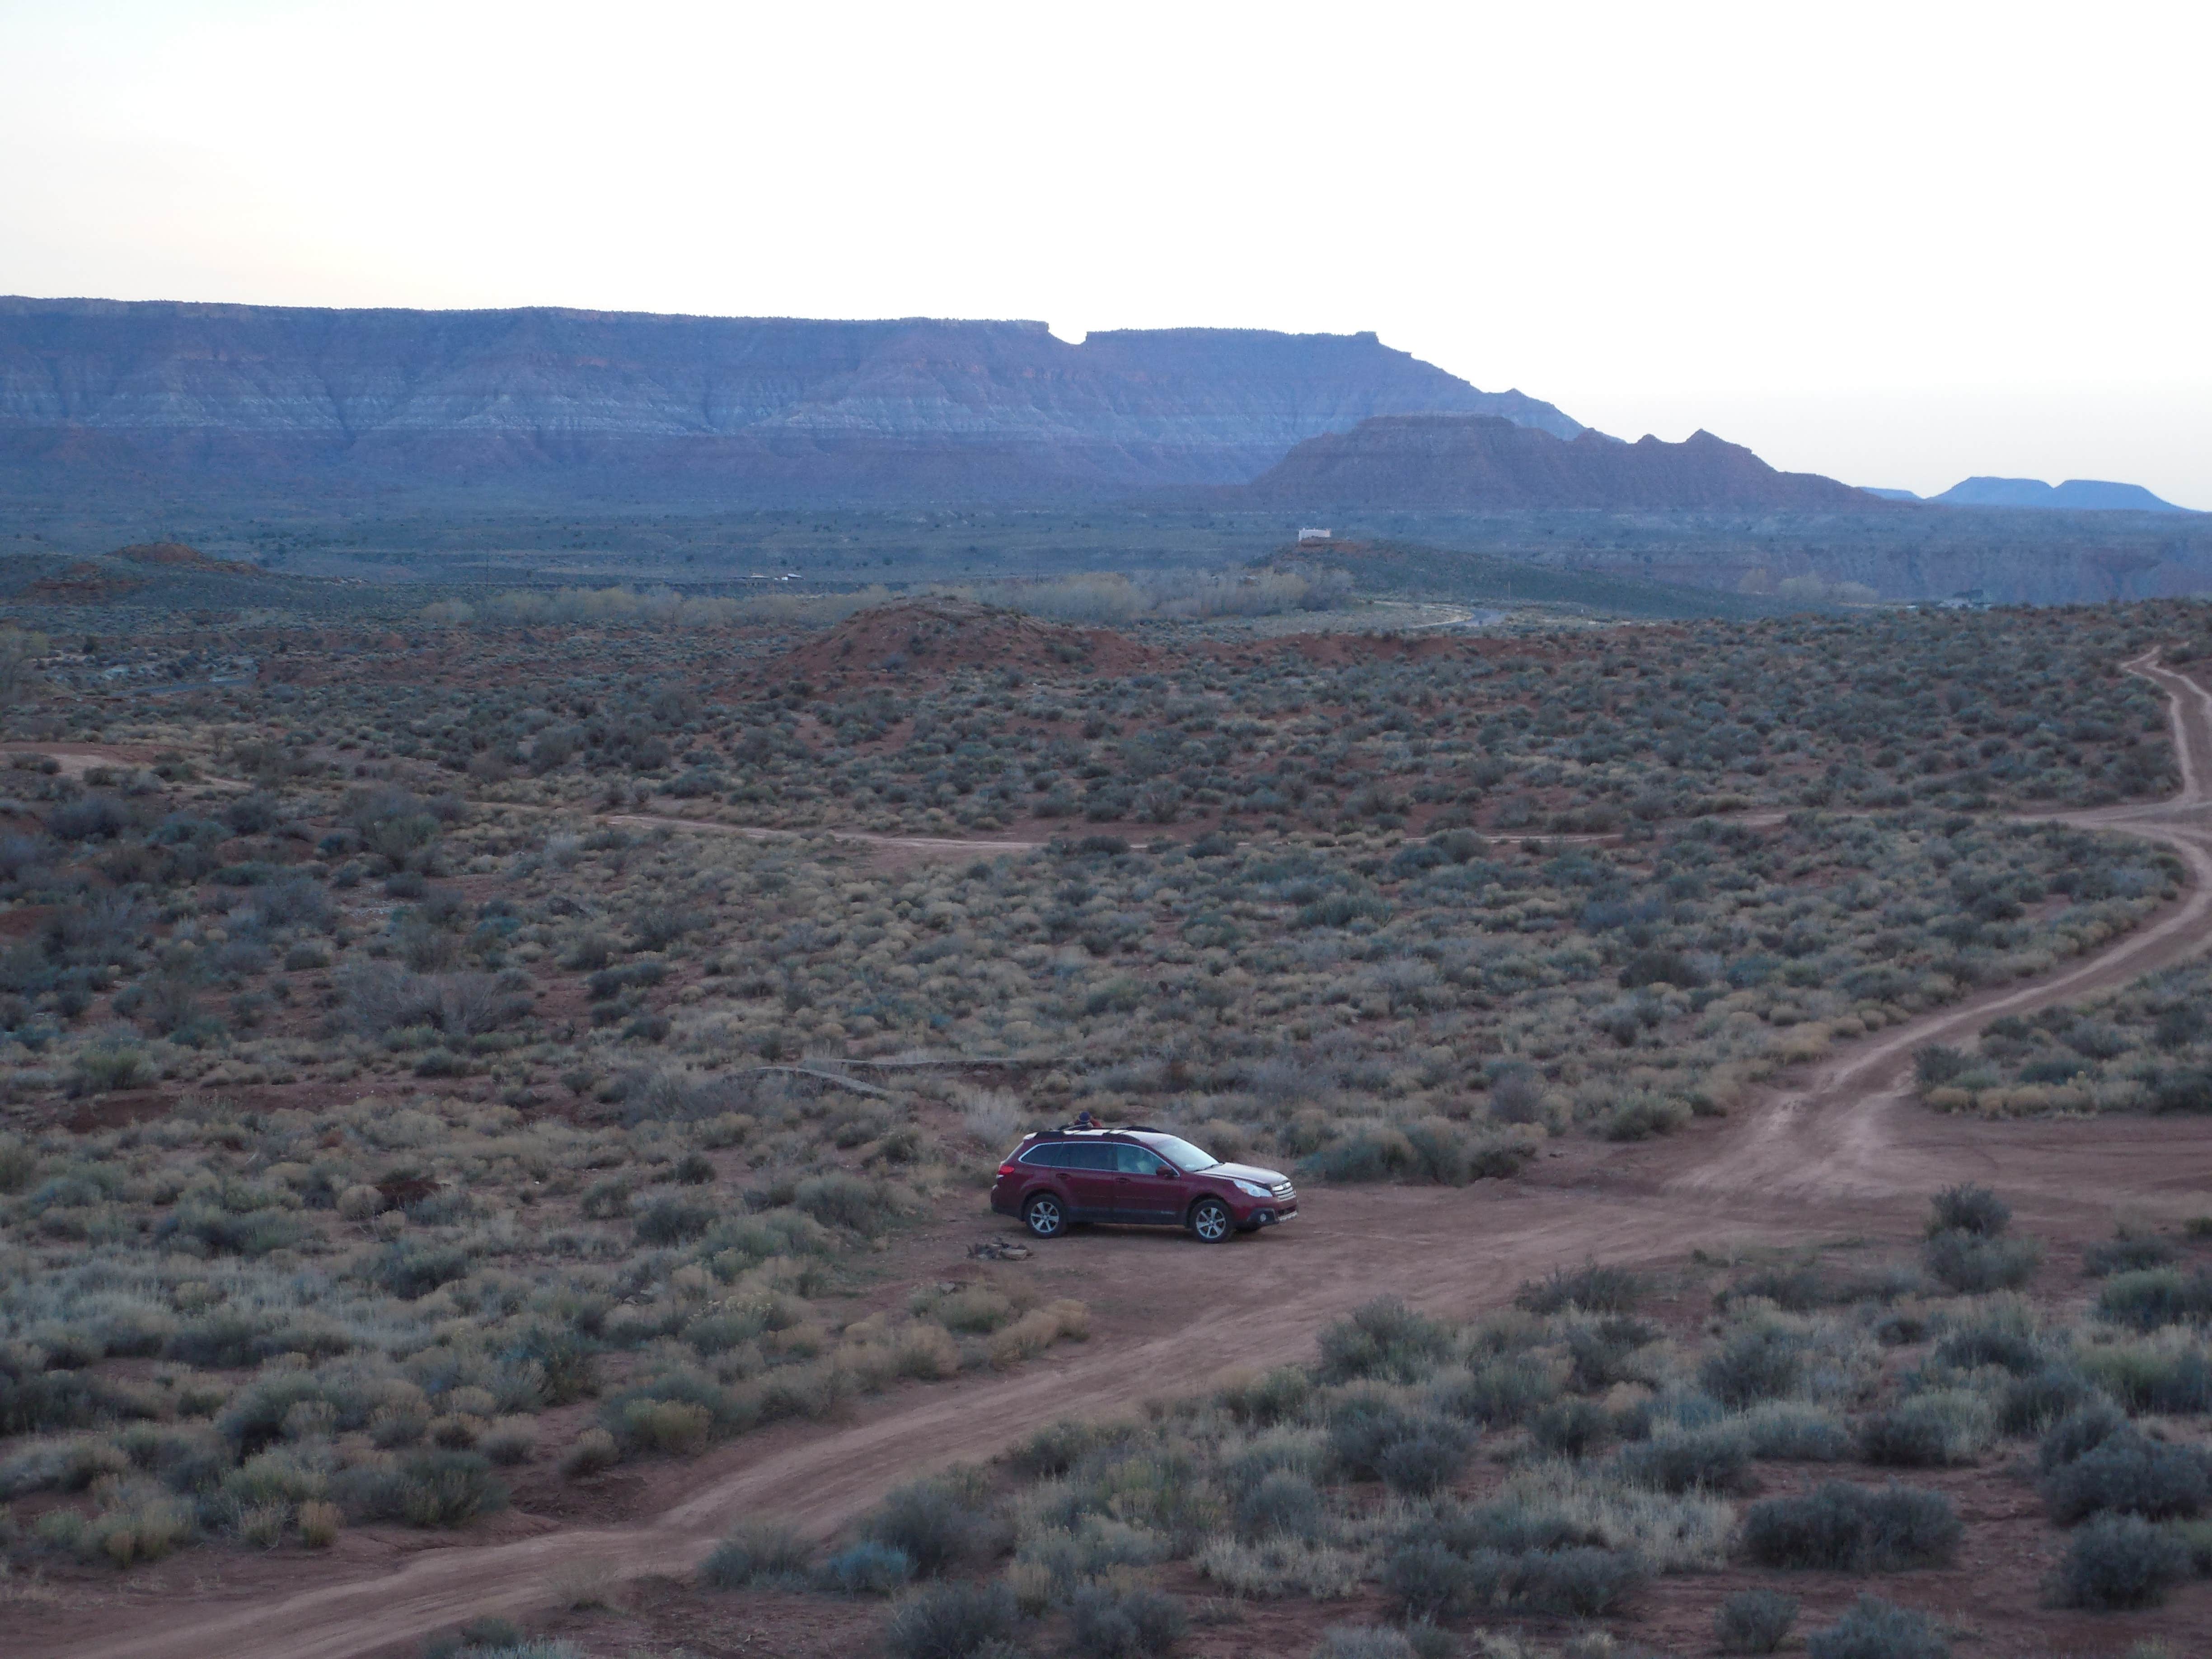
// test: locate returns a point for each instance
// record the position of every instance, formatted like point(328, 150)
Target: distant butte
point(1477, 462)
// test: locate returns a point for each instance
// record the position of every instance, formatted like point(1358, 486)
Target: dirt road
point(1839, 1154)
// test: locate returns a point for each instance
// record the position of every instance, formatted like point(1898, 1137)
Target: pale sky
point(1898, 244)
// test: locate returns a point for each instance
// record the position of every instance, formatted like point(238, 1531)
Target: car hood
point(1246, 1172)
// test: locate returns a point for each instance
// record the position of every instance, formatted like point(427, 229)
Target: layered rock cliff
point(747, 409)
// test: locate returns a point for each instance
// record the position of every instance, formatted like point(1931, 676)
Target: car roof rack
point(1103, 1129)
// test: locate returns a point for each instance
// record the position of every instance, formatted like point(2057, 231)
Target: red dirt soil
point(934, 639)
point(177, 554)
point(1837, 1152)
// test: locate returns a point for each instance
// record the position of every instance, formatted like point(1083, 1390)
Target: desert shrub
point(2004, 1337)
point(672, 1221)
point(59, 1465)
point(1712, 1458)
point(1789, 1432)
point(1872, 1628)
point(1272, 1396)
point(2153, 1376)
point(1037, 1330)
point(18, 1164)
point(411, 1269)
point(110, 1064)
point(638, 1416)
point(1580, 1581)
point(2117, 1561)
point(34, 1400)
point(759, 1555)
point(952, 1621)
point(589, 1454)
point(255, 814)
point(605, 1199)
point(2125, 1255)
point(1754, 1621)
point(1281, 1503)
point(2080, 1431)
point(1370, 1438)
point(256, 1415)
point(223, 1339)
point(490, 1637)
point(1974, 1264)
point(438, 1488)
point(1928, 1431)
point(975, 1311)
point(2150, 1297)
point(1384, 1339)
point(1425, 1580)
point(320, 1524)
point(1935, 1066)
point(1365, 1152)
point(1763, 1363)
point(2032, 1403)
point(1059, 1447)
point(1800, 1289)
point(1105, 1623)
point(1571, 1428)
point(509, 1440)
point(648, 1423)
point(1426, 1461)
point(939, 1522)
point(1504, 1391)
point(206, 1229)
point(866, 1568)
point(1603, 1354)
point(94, 817)
point(134, 1523)
point(1591, 1288)
point(1850, 1528)
point(565, 1363)
point(2128, 1473)
point(1362, 1642)
point(1360, 1426)
point(839, 1199)
point(1968, 1208)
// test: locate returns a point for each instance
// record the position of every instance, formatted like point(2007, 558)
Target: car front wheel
point(1210, 1221)
point(1043, 1217)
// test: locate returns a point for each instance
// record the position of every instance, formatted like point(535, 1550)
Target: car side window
point(1135, 1160)
point(1049, 1157)
point(1090, 1157)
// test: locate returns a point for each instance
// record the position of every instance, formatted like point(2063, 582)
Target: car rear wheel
point(1210, 1221)
point(1043, 1217)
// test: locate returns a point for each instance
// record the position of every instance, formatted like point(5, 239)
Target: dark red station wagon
point(1138, 1176)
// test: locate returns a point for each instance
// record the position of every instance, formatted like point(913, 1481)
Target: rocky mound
point(1482, 462)
point(938, 637)
point(178, 555)
point(84, 583)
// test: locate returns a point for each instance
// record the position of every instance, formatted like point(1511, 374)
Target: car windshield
point(1180, 1153)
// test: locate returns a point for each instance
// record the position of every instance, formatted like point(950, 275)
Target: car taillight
point(1006, 1168)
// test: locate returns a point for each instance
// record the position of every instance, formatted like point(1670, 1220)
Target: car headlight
point(1255, 1190)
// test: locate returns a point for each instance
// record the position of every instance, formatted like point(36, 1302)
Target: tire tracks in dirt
point(1840, 1151)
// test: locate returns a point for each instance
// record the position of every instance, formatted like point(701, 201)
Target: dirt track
point(1840, 1152)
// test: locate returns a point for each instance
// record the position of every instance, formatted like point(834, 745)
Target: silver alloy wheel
point(1210, 1221)
point(1041, 1216)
